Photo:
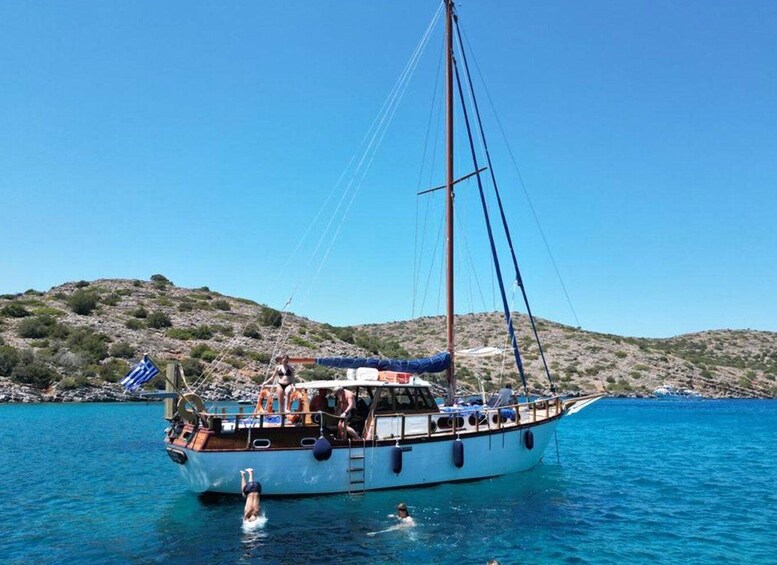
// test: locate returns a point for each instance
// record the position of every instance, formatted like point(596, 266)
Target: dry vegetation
point(75, 341)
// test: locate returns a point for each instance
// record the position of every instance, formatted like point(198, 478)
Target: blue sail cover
point(434, 364)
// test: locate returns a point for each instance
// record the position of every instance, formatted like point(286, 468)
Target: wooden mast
point(450, 374)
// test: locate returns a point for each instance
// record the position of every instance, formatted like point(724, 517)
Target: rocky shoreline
point(12, 393)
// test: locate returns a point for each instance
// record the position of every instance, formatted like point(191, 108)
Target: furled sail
point(434, 364)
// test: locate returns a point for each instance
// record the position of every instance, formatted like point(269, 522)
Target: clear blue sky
point(200, 140)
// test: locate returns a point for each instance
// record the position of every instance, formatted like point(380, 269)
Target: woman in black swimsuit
point(284, 375)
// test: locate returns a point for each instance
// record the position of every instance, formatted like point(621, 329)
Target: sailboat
point(397, 435)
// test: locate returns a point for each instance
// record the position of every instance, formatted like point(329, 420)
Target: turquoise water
point(638, 481)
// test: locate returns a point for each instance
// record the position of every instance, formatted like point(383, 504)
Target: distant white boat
point(669, 392)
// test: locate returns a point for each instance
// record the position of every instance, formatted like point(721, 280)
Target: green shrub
point(221, 304)
point(224, 330)
point(139, 312)
point(204, 289)
point(259, 356)
point(33, 292)
point(317, 373)
point(9, 358)
point(81, 284)
point(112, 299)
point(68, 383)
point(32, 372)
point(14, 310)
point(158, 320)
point(92, 345)
point(270, 317)
point(203, 352)
point(49, 310)
point(83, 302)
point(135, 324)
point(122, 349)
point(36, 327)
point(192, 367)
point(252, 331)
point(161, 278)
point(137, 283)
point(203, 332)
point(113, 370)
point(296, 340)
point(235, 362)
point(620, 354)
point(186, 306)
point(179, 333)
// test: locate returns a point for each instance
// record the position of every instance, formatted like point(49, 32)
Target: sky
point(211, 141)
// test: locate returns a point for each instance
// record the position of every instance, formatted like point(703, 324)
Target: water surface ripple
point(638, 481)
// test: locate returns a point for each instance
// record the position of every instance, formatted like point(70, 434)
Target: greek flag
point(140, 373)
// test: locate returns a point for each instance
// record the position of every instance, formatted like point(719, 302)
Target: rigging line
point(518, 277)
point(497, 268)
point(416, 251)
point(367, 166)
point(431, 265)
point(474, 268)
point(379, 123)
point(364, 164)
point(523, 186)
point(360, 146)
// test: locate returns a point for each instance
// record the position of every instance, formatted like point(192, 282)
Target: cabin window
point(384, 400)
point(403, 399)
point(423, 399)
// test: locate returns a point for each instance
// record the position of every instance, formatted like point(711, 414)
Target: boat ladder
point(356, 464)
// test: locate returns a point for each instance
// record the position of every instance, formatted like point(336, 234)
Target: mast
point(450, 375)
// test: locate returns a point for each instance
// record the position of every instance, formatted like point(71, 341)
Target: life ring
point(296, 395)
point(190, 406)
point(264, 402)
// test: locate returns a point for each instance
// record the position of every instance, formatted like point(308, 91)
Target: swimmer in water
point(404, 520)
point(251, 491)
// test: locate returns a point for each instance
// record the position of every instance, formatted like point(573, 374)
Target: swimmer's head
point(402, 509)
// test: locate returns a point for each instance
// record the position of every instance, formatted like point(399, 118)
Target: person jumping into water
point(251, 491)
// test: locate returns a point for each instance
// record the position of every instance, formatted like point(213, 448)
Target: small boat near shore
point(670, 392)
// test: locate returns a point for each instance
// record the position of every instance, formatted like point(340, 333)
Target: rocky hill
point(76, 341)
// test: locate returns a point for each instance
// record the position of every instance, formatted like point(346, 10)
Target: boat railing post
point(534, 412)
point(428, 425)
point(402, 430)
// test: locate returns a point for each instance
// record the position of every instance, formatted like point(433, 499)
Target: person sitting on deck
point(251, 491)
point(505, 395)
point(346, 406)
point(320, 403)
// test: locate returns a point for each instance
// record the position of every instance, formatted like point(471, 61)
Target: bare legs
point(281, 398)
point(253, 506)
point(343, 427)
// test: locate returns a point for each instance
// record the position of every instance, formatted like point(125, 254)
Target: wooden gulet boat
point(404, 438)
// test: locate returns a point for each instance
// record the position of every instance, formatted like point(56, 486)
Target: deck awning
point(435, 364)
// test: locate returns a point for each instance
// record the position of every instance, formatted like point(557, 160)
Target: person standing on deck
point(283, 376)
point(346, 405)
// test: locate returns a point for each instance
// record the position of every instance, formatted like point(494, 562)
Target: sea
point(625, 481)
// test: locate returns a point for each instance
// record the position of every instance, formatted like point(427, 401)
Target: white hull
point(286, 472)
